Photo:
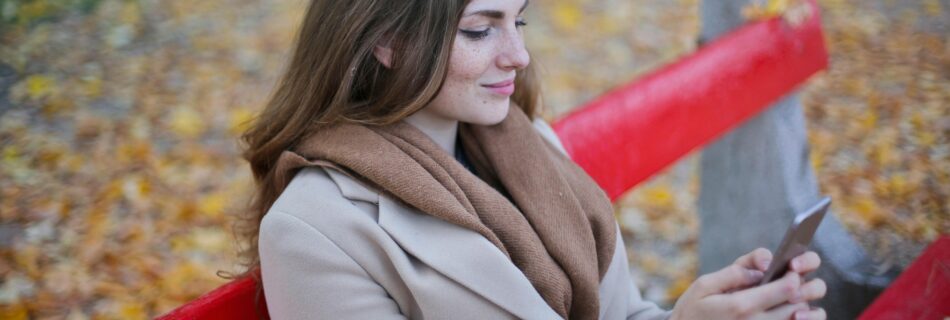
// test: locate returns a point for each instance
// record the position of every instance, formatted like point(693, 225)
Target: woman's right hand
point(731, 293)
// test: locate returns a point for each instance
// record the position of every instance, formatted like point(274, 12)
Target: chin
point(494, 114)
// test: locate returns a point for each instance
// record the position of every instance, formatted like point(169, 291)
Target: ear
point(384, 54)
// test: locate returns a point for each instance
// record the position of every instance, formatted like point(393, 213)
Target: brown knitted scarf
point(560, 230)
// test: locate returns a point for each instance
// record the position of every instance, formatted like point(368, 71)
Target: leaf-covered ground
point(119, 166)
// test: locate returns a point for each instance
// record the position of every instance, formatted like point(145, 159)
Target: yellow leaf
point(678, 287)
point(883, 154)
point(131, 310)
point(39, 86)
point(186, 210)
point(131, 13)
point(777, 6)
point(898, 185)
point(868, 211)
point(213, 205)
point(11, 153)
point(186, 123)
point(144, 187)
point(91, 87)
point(180, 243)
point(869, 120)
point(758, 11)
point(32, 10)
point(926, 139)
point(133, 187)
point(110, 192)
point(793, 11)
point(817, 160)
point(933, 7)
point(134, 151)
point(240, 120)
point(660, 196)
point(566, 15)
point(14, 312)
point(183, 279)
point(28, 260)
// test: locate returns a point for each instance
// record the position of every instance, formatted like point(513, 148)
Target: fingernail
point(756, 275)
point(795, 264)
point(766, 263)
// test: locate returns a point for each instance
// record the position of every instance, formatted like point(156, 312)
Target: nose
point(513, 54)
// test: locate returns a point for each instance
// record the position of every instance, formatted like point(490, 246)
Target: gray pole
point(753, 181)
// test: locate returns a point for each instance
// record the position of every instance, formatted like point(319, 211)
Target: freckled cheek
point(470, 65)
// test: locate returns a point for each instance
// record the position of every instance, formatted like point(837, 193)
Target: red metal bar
point(235, 300)
point(921, 292)
point(631, 132)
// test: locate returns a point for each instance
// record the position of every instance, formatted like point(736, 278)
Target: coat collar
point(352, 188)
point(460, 254)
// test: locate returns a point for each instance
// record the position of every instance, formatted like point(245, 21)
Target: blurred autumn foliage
point(879, 122)
point(120, 173)
point(120, 167)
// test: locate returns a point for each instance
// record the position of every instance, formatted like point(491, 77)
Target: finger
point(813, 290)
point(728, 278)
point(756, 259)
point(773, 293)
point(813, 314)
point(785, 311)
point(805, 263)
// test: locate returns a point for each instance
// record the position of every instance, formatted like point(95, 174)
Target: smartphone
point(796, 239)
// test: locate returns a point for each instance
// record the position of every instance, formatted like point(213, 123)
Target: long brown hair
point(334, 77)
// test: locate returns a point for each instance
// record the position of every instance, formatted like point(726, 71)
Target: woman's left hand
point(734, 293)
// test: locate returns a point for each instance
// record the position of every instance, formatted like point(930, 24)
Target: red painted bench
point(239, 299)
point(922, 292)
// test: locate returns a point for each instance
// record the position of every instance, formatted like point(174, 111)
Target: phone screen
point(796, 240)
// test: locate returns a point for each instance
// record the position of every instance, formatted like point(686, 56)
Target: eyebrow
point(495, 14)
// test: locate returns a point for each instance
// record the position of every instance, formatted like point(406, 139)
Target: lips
point(504, 88)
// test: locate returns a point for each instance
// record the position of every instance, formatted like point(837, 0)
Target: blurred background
point(120, 173)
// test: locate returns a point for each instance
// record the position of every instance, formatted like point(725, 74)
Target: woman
point(401, 174)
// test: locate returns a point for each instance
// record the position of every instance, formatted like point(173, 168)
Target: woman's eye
point(475, 34)
point(520, 23)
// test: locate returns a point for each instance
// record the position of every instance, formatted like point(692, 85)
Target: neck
point(441, 130)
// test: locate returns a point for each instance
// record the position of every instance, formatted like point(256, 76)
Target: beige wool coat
point(334, 248)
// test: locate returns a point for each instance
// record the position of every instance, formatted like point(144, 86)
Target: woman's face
point(487, 52)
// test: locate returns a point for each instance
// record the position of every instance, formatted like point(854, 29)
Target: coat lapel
point(464, 256)
point(460, 254)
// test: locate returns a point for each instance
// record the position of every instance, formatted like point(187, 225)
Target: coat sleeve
point(307, 276)
point(619, 294)
point(637, 308)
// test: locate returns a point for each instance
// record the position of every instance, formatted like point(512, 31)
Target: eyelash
point(478, 35)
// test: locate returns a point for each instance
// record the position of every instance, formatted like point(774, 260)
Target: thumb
point(732, 277)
